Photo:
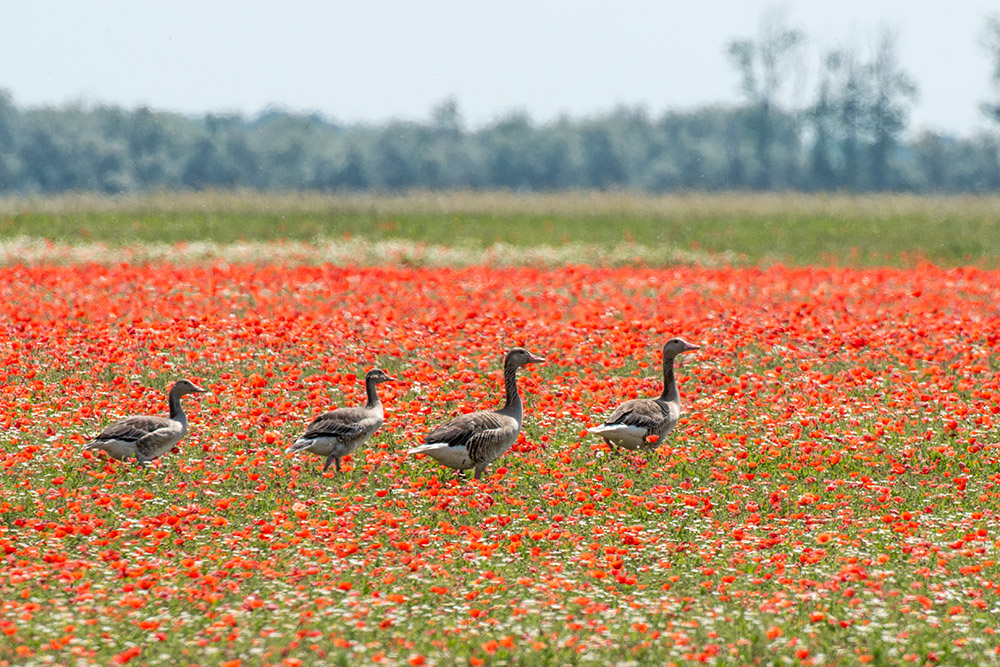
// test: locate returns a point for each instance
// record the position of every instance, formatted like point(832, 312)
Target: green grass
point(270, 574)
point(792, 229)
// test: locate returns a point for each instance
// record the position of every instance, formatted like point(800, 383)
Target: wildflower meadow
point(830, 496)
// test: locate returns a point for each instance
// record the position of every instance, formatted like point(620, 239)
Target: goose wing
point(643, 413)
point(464, 429)
point(478, 432)
point(343, 424)
point(133, 429)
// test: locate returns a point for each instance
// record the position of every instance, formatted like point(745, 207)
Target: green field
point(745, 229)
point(831, 495)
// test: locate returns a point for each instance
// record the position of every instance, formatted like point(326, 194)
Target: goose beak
point(198, 390)
point(691, 346)
point(532, 359)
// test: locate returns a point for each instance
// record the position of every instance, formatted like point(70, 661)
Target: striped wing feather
point(133, 428)
point(640, 412)
point(345, 424)
point(482, 433)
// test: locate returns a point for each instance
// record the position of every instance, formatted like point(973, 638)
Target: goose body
point(336, 434)
point(477, 439)
point(144, 437)
point(635, 421)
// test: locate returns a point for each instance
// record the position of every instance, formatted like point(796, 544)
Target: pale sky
point(372, 60)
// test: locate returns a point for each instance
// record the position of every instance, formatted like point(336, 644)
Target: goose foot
point(331, 460)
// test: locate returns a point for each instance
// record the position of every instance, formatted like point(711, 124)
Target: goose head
point(675, 346)
point(184, 387)
point(519, 356)
point(378, 376)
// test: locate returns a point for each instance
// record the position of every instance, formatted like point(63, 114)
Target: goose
point(143, 437)
point(338, 433)
point(477, 439)
point(634, 421)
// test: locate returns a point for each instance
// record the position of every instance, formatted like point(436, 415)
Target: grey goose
point(633, 422)
point(145, 438)
point(338, 433)
point(477, 439)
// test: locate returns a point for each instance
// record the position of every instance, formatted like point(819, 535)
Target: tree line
point(849, 137)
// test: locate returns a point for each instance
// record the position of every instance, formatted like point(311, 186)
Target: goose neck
point(176, 411)
point(510, 384)
point(371, 387)
point(670, 393)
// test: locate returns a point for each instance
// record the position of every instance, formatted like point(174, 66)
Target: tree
point(446, 151)
point(396, 157)
point(554, 166)
point(510, 158)
point(991, 42)
point(446, 119)
point(68, 149)
point(352, 174)
point(220, 158)
point(147, 142)
point(8, 121)
point(822, 117)
point(891, 91)
point(736, 163)
point(764, 65)
point(837, 120)
point(207, 168)
point(602, 166)
point(930, 149)
point(9, 118)
point(858, 117)
point(850, 114)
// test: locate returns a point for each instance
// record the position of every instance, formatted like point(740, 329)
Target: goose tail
point(428, 447)
point(299, 445)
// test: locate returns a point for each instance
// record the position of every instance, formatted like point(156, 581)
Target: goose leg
point(479, 472)
point(330, 459)
point(337, 461)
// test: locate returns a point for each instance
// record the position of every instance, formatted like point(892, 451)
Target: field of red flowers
point(831, 496)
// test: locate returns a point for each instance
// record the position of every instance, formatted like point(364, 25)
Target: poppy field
point(831, 494)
